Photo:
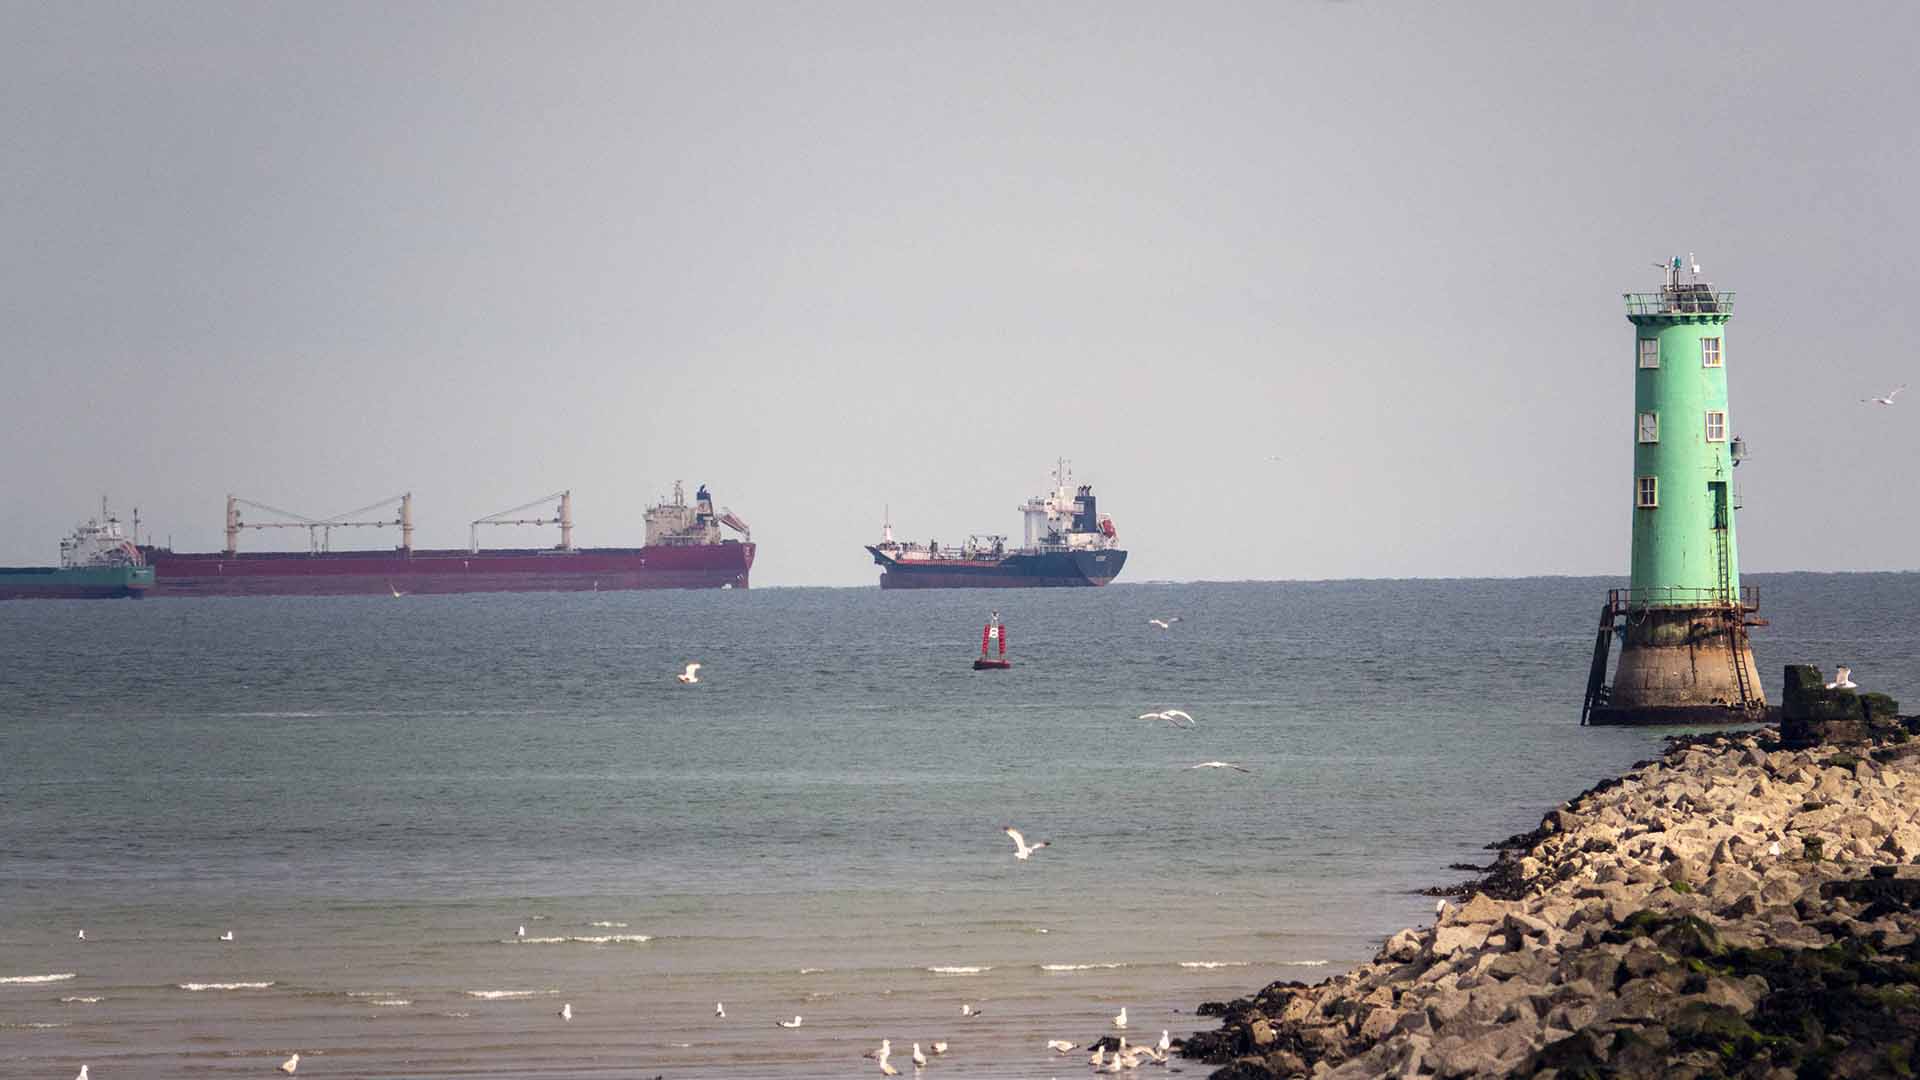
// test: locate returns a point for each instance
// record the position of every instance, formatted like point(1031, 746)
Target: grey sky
point(826, 257)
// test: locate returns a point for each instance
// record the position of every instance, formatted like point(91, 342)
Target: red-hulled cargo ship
point(685, 549)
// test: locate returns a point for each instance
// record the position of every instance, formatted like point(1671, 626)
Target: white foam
point(81, 1000)
point(1211, 964)
point(1304, 963)
point(35, 978)
point(457, 1015)
point(390, 1001)
point(959, 969)
point(605, 923)
point(580, 939)
point(223, 986)
point(35, 1026)
point(811, 971)
point(496, 995)
point(1077, 967)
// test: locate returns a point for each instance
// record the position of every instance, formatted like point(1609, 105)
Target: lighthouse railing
point(1623, 601)
point(1685, 300)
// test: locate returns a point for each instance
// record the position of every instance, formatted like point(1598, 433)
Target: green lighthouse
point(1682, 622)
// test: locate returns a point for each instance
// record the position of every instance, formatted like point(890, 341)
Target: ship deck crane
point(563, 518)
point(320, 530)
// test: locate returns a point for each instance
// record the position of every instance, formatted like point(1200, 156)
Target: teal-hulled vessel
point(99, 561)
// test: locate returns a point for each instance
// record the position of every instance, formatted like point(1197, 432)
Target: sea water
point(374, 794)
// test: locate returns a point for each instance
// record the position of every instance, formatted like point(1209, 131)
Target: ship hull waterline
point(1076, 569)
point(712, 566)
point(82, 583)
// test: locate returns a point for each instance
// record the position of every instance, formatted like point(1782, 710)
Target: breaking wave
point(81, 1000)
point(223, 986)
point(959, 969)
point(1078, 967)
point(580, 939)
point(1211, 964)
point(496, 995)
point(35, 978)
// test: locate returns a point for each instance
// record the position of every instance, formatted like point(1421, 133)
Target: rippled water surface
point(374, 794)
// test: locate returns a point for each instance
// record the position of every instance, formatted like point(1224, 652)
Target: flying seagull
point(566, 1011)
point(228, 936)
point(1120, 1019)
point(1176, 717)
point(1842, 679)
point(1888, 400)
point(1021, 849)
point(1166, 622)
point(290, 1064)
point(793, 1023)
point(1220, 765)
point(690, 675)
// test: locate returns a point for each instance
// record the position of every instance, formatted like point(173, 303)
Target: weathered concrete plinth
point(1684, 666)
point(1811, 714)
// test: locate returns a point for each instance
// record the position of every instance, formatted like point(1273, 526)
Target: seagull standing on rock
point(1842, 679)
point(286, 1066)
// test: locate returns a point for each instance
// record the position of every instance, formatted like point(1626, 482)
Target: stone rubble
point(1646, 928)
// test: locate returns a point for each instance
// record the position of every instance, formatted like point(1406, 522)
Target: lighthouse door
point(1717, 492)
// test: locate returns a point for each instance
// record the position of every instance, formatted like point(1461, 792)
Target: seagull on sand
point(1842, 679)
point(887, 1069)
point(83, 1073)
point(919, 1059)
point(520, 931)
point(566, 1011)
point(1888, 400)
point(1175, 717)
point(1220, 765)
point(939, 1048)
point(228, 936)
point(969, 1010)
point(690, 675)
point(1021, 849)
point(1164, 623)
point(81, 936)
point(793, 1023)
point(1098, 1057)
point(1120, 1019)
point(290, 1064)
point(1060, 1046)
point(882, 1053)
point(719, 1010)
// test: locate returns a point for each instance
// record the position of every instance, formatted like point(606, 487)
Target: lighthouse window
point(1647, 492)
point(1649, 352)
point(1709, 352)
point(1716, 425)
point(1649, 427)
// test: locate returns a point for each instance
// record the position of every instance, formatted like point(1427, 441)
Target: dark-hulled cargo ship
point(1068, 543)
point(685, 548)
point(97, 562)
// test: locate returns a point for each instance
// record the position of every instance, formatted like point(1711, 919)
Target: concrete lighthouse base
point(1684, 666)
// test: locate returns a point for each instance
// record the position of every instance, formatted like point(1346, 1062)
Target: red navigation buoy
point(994, 631)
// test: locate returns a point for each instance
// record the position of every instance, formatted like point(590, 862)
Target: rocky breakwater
point(1737, 908)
